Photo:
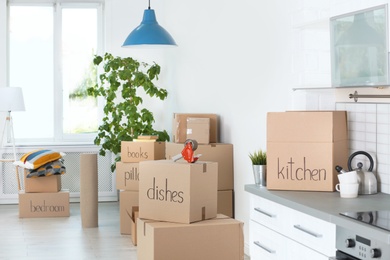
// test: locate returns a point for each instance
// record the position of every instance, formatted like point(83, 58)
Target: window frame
point(59, 137)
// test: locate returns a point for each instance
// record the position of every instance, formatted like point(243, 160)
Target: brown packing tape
point(88, 190)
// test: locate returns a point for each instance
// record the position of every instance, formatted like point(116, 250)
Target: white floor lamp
point(11, 99)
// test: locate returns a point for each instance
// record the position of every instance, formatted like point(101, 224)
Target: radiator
point(69, 181)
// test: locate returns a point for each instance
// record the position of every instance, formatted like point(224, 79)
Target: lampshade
point(11, 99)
point(149, 32)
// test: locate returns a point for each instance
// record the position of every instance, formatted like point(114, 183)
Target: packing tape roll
point(88, 190)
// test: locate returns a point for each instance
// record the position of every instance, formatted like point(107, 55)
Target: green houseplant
point(259, 166)
point(124, 117)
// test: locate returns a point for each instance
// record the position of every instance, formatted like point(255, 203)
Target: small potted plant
point(259, 164)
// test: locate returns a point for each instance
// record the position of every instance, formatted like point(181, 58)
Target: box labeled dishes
point(178, 192)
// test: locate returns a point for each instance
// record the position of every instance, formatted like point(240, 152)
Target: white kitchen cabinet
point(279, 232)
point(266, 243)
point(312, 232)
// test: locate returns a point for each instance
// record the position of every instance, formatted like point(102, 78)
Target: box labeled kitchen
point(44, 204)
point(198, 129)
point(42, 184)
point(216, 152)
point(127, 176)
point(179, 192)
point(142, 151)
point(217, 238)
point(303, 148)
point(180, 127)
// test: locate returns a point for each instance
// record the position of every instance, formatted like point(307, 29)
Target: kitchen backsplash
point(369, 130)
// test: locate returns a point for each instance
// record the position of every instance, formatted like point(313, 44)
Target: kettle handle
point(363, 153)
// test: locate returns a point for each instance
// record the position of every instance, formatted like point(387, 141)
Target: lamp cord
point(149, 5)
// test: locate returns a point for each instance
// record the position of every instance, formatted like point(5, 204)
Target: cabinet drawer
point(312, 232)
point(300, 252)
point(268, 213)
point(266, 244)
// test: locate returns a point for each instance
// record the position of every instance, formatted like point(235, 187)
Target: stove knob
point(375, 253)
point(349, 242)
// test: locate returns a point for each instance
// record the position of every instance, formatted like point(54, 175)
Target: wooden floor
point(64, 238)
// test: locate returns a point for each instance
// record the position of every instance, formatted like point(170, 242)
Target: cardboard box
point(179, 192)
point(42, 184)
point(303, 148)
point(218, 238)
point(198, 129)
point(134, 217)
point(226, 203)
point(43, 205)
point(216, 152)
point(142, 151)
point(179, 127)
point(127, 200)
point(127, 176)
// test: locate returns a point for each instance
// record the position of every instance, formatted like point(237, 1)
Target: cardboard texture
point(198, 129)
point(303, 148)
point(42, 184)
point(132, 152)
point(127, 176)
point(134, 217)
point(89, 190)
point(218, 238)
point(226, 203)
point(179, 192)
point(216, 152)
point(42, 205)
point(127, 200)
point(179, 127)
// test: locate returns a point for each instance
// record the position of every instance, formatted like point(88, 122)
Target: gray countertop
point(328, 205)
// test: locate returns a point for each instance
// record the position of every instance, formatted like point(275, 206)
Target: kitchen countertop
point(328, 205)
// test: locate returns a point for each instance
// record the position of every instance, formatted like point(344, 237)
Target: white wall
point(233, 59)
point(3, 56)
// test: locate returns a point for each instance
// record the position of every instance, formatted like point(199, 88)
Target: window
point(51, 48)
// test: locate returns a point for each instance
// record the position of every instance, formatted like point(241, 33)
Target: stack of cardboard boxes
point(204, 129)
point(128, 175)
point(178, 214)
point(43, 197)
point(183, 193)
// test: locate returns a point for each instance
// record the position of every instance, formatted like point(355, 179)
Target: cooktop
point(380, 218)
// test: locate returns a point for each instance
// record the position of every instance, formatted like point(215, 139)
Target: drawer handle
point(314, 234)
point(265, 213)
point(257, 243)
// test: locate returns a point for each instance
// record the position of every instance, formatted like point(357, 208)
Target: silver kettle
point(368, 183)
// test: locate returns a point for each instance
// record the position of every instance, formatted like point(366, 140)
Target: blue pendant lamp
point(149, 32)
